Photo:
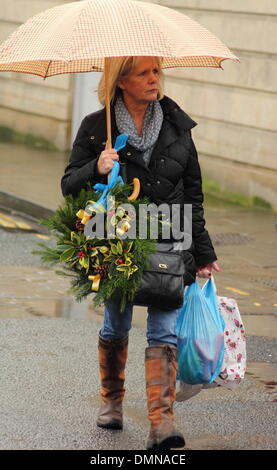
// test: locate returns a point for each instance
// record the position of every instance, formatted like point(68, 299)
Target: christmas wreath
point(108, 267)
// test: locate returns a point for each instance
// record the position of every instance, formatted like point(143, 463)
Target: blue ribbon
point(120, 143)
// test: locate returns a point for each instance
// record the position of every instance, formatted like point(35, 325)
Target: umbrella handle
point(107, 101)
point(136, 190)
point(108, 104)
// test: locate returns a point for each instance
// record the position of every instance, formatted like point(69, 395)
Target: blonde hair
point(120, 67)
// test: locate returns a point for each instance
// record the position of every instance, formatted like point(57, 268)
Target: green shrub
point(8, 134)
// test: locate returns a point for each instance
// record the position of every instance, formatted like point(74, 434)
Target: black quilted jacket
point(173, 175)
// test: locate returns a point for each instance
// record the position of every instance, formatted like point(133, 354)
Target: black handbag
point(163, 282)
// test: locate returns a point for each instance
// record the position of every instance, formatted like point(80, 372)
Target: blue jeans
point(161, 324)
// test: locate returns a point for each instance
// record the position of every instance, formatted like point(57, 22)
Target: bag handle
point(210, 293)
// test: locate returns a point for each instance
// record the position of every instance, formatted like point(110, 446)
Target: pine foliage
point(80, 257)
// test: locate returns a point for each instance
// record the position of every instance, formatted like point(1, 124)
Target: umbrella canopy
point(78, 36)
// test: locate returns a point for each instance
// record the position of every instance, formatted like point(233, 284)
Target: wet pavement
point(35, 308)
point(32, 173)
point(50, 395)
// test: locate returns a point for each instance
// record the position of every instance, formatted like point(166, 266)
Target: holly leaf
point(103, 249)
point(84, 262)
point(67, 254)
point(119, 248)
point(114, 249)
point(122, 267)
point(128, 261)
point(129, 247)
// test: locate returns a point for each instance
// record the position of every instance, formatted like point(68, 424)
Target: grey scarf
point(151, 127)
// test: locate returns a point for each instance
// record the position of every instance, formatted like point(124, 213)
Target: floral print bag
point(234, 363)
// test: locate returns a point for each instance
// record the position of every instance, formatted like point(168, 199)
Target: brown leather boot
point(160, 374)
point(112, 360)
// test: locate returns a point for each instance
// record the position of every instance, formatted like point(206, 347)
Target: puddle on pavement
point(69, 308)
point(38, 291)
point(266, 373)
point(27, 292)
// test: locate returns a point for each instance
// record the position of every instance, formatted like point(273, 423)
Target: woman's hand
point(105, 161)
point(206, 271)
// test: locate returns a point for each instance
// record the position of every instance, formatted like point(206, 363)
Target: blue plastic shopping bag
point(200, 331)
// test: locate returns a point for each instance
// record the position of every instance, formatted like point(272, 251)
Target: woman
point(161, 153)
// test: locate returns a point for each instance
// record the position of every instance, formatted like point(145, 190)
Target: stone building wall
point(28, 103)
point(235, 108)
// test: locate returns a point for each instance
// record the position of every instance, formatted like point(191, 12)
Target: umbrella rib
point(47, 69)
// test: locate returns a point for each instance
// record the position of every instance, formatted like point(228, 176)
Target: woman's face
point(141, 85)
